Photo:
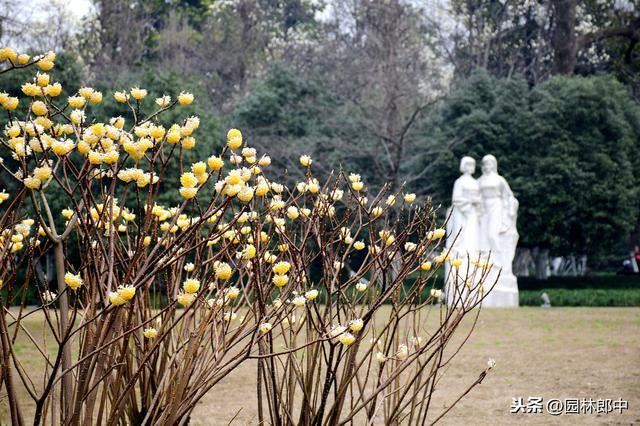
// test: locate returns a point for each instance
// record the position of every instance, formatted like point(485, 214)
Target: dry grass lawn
point(551, 353)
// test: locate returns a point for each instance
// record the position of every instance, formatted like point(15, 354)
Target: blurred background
point(398, 91)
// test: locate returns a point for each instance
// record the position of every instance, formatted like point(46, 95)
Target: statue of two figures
point(482, 230)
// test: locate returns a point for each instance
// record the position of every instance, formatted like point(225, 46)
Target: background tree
point(569, 151)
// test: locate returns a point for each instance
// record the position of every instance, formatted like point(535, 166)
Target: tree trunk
point(541, 259)
point(521, 262)
point(564, 40)
point(67, 384)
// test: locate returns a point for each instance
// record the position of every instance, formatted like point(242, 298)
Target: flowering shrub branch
point(329, 289)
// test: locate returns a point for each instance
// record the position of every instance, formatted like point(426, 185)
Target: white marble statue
point(483, 225)
point(498, 234)
point(463, 232)
point(464, 223)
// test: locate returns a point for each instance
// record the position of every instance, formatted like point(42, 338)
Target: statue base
point(504, 294)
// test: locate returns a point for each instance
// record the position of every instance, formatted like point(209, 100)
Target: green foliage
point(583, 297)
point(567, 147)
point(284, 104)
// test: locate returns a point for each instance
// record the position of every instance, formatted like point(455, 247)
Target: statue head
point(489, 164)
point(467, 165)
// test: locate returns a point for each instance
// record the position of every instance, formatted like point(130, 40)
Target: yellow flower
point(62, 148)
point(262, 189)
point(72, 280)
point(380, 358)
point(215, 162)
point(234, 139)
point(32, 182)
point(185, 299)
point(115, 299)
point(126, 292)
point(346, 339)
point(188, 179)
point(361, 287)
point(138, 94)
point(292, 212)
point(280, 280)
point(188, 193)
point(435, 293)
point(357, 186)
point(311, 294)
point(356, 324)
point(10, 103)
point(42, 79)
point(403, 352)
point(173, 137)
point(95, 157)
point(425, 266)
point(199, 168)
point(111, 157)
point(188, 143)
point(39, 108)
point(53, 90)
point(249, 252)
point(150, 333)
point(281, 267)
point(265, 327)
point(156, 132)
point(120, 97)
point(409, 246)
point(223, 271)
point(3, 196)
point(8, 53)
point(185, 98)
point(437, 234)
point(264, 161)
point(440, 258)
point(45, 64)
point(42, 173)
point(245, 194)
point(191, 285)
point(306, 160)
point(456, 263)
point(146, 241)
point(31, 89)
point(299, 301)
point(95, 98)
point(85, 92)
point(233, 292)
point(76, 102)
point(409, 198)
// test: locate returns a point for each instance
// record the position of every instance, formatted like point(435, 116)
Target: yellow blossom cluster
point(252, 231)
point(18, 236)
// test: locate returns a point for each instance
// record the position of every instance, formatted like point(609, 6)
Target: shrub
point(163, 302)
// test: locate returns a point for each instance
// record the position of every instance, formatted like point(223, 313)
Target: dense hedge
point(597, 290)
point(595, 281)
point(582, 297)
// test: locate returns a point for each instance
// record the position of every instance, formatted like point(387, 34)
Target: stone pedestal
point(504, 294)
